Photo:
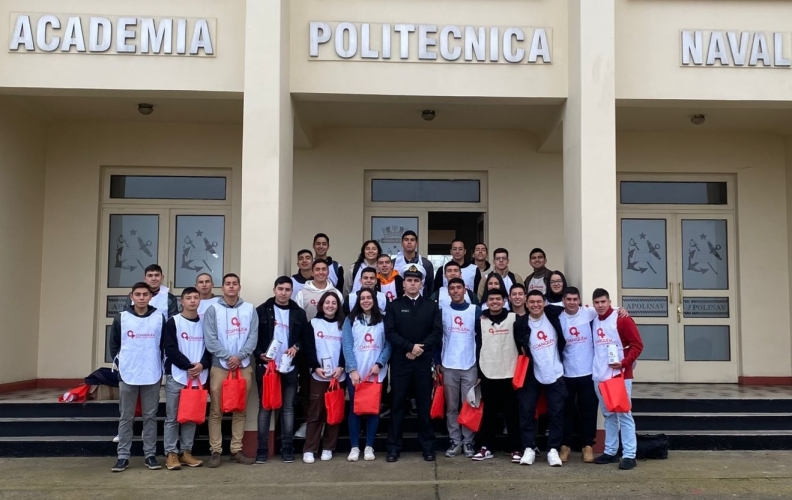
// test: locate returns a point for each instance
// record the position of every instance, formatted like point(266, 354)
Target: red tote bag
point(272, 399)
point(234, 392)
point(367, 398)
point(614, 395)
point(77, 395)
point(192, 403)
point(471, 417)
point(438, 401)
point(334, 403)
point(520, 371)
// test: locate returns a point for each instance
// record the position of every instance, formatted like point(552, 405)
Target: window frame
point(677, 207)
point(439, 175)
point(108, 172)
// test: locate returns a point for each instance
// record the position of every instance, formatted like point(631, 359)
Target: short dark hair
point(384, 255)
point(304, 251)
point(189, 290)
point(534, 293)
point(451, 263)
point(321, 235)
point(319, 261)
point(456, 281)
point(282, 280)
point(538, 250)
point(500, 292)
point(481, 243)
point(231, 275)
point(570, 290)
point(368, 269)
point(500, 250)
point(153, 268)
point(457, 240)
point(518, 286)
point(409, 232)
point(211, 278)
point(600, 292)
point(141, 284)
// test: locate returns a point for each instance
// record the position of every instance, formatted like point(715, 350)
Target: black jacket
point(298, 327)
point(309, 349)
point(173, 356)
point(522, 335)
point(407, 325)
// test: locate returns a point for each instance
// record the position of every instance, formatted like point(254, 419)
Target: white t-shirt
point(579, 349)
point(544, 349)
point(282, 333)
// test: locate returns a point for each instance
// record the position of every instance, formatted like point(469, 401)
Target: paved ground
point(750, 475)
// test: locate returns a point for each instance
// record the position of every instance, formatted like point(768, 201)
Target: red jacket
point(630, 339)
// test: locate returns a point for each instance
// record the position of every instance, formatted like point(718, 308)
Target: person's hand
point(616, 366)
point(264, 357)
point(523, 351)
point(196, 370)
point(338, 372)
point(417, 350)
point(623, 313)
point(439, 369)
point(478, 381)
point(354, 376)
point(291, 352)
point(411, 356)
point(233, 363)
point(320, 372)
point(374, 371)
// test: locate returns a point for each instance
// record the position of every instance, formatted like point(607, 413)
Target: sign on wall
point(334, 41)
point(387, 231)
point(735, 49)
point(82, 34)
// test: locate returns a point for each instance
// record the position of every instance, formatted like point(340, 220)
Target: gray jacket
point(213, 344)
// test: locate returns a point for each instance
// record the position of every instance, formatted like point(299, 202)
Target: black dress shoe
point(429, 457)
point(392, 457)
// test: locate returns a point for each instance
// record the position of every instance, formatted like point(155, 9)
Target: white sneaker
point(117, 439)
point(553, 460)
point(301, 431)
point(354, 455)
point(368, 453)
point(326, 455)
point(308, 458)
point(529, 456)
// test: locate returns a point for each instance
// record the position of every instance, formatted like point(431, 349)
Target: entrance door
point(677, 280)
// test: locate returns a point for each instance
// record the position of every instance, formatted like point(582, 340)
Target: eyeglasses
point(501, 259)
point(557, 282)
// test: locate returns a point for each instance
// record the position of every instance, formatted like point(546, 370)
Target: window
point(161, 187)
point(672, 193)
point(426, 190)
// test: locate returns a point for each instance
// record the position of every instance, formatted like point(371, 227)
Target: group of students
point(383, 317)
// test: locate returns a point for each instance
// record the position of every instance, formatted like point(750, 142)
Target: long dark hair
point(357, 312)
point(550, 295)
point(501, 286)
point(339, 315)
point(362, 256)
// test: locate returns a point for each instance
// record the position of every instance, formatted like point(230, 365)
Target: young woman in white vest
point(451, 270)
point(471, 274)
point(335, 272)
point(366, 355)
point(368, 279)
point(186, 359)
point(138, 352)
point(323, 350)
point(369, 252)
point(494, 283)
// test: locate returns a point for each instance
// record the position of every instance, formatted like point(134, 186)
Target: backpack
point(654, 446)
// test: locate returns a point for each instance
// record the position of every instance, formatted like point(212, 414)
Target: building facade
point(645, 146)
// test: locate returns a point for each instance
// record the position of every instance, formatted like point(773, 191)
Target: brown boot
point(172, 462)
point(187, 459)
point(564, 454)
point(588, 454)
point(214, 462)
point(239, 458)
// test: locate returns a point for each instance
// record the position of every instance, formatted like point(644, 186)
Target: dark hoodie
point(298, 326)
point(115, 330)
point(551, 297)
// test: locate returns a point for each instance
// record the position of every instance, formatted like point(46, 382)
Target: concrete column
point(590, 149)
point(267, 153)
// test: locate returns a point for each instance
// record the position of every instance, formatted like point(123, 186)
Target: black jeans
point(528, 396)
point(581, 400)
point(499, 397)
point(288, 393)
point(411, 377)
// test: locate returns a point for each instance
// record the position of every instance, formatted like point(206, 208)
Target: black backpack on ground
point(653, 446)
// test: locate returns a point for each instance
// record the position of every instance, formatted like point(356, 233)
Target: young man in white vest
point(161, 298)
point(457, 363)
point(470, 273)
point(230, 330)
point(480, 252)
point(541, 338)
point(313, 290)
point(136, 342)
point(623, 334)
point(186, 359)
point(410, 255)
point(204, 283)
point(335, 272)
point(303, 274)
point(368, 279)
point(452, 270)
point(390, 283)
point(501, 259)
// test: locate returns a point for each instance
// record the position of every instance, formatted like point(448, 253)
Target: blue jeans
point(616, 422)
point(372, 421)
point(288, 393)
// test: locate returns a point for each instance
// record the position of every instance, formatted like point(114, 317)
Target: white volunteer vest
point(327, 337)
point(332, 274)
point(369, 341)
point(399, 262)
point(140, 358)
point(189, 335)
point(537, 284)
point(605, 334)
point(281, 333)
point(356, 278)
point(206, 304)
point(389, 290)
point(498, 356)
point(296, 287)
point(579, 349)
point(459, 338)
point(233, 328)
point(382, 301)
point(468, 276)
point(543, 341)
point(160, 301)
point(444, 299)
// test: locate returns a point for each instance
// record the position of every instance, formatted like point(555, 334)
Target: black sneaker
point(152, 464)
point(627, 464)
point(287, 453)
point(121, 465)
point(262, 456)
point(606, 459)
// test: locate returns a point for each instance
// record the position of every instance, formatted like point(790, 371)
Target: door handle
point(670, 293)
point(679, 293)
point(679, 314)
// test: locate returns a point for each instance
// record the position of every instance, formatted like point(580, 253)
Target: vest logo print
point(191, 338)
point(460, 326)
point(602, 338)
point(369, 345)
point(575, 337)
point(499, 331)
point(238, 328)
point(389, 295)
point(313, 302)
point(131, 334)
point(322, 335)
point(574, 331)
point(542, 336)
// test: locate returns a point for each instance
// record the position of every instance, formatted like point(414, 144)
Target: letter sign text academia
point(331, 41)
point(85, 34)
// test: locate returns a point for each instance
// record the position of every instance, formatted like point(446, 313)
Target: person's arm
point(211, 339)
point(429, 281)
point(346, 289)
point(299, 300)
point(522, 335)
point(436, 335)
point(341, 357)
point(631, 340)
point(252, 340)
point(553, 311)
point(172, 352)
point(473, 298)
point(518, 279)
point(115, 336)
point(263, 338)
point(437, 281)
point(477, 279)
point(399, 286)
point(206, 359)
point(348, 347)
point(309, 347)
point(385, 355)
point(345, 307)
point(304, 333)
point(480, 289)
point(173, 306)
point(434, 296)
point(340, 274)
point(478, 342)
point(392, 335)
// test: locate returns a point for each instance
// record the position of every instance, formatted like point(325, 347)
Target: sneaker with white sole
point(308, 458)
point(326, 455)
point(117, 439)
point(528, 457)
point(483, 454)
point(553, 460)
point(368, 454)
point(354, 455)
point(453, 450)
point(468, 449)
point(516, 456)
point(301, 431)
